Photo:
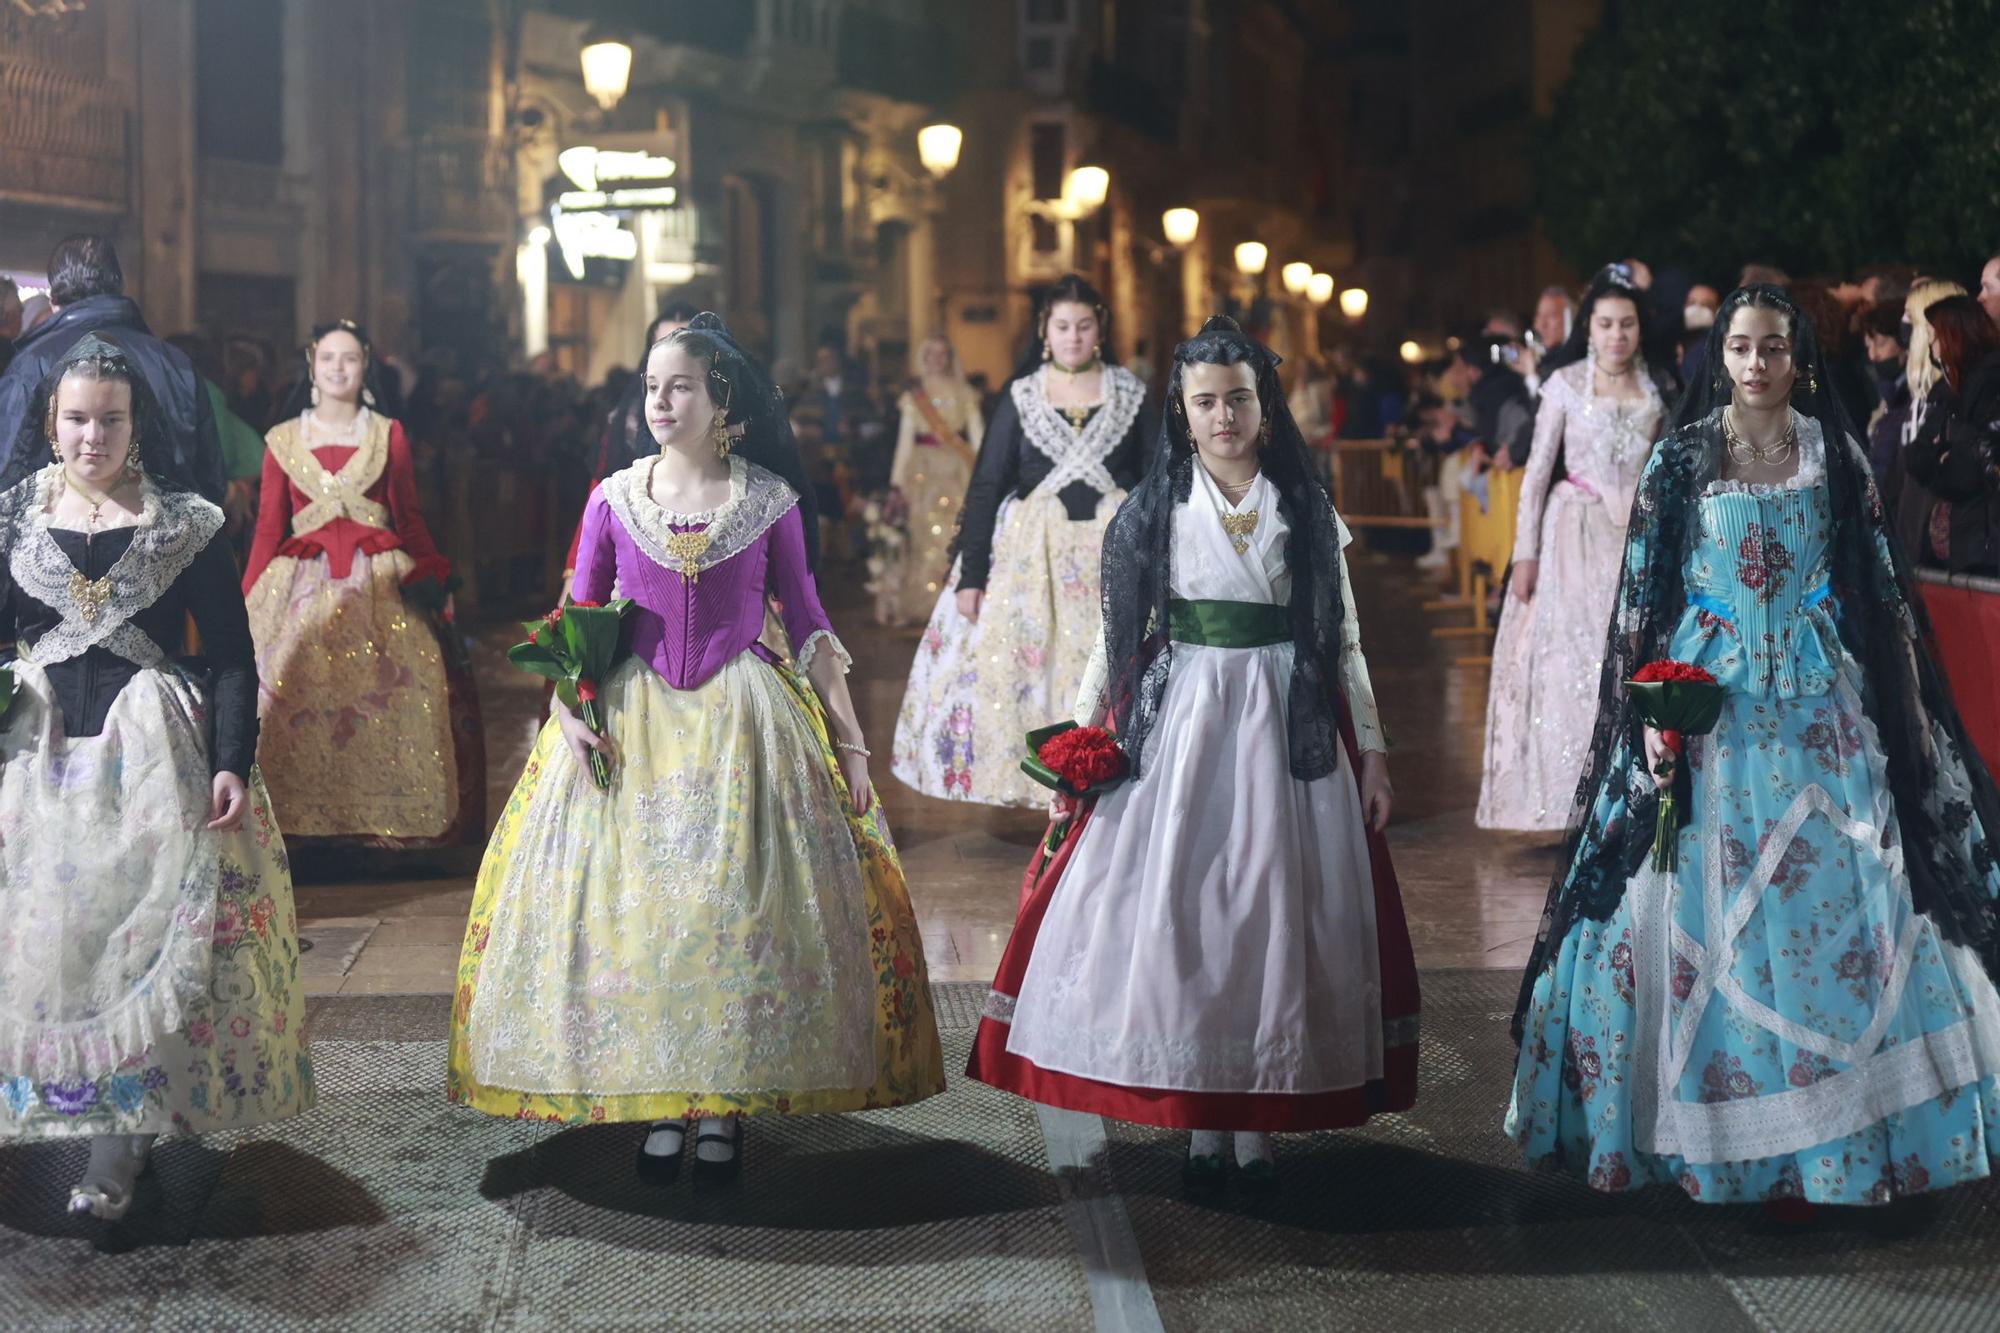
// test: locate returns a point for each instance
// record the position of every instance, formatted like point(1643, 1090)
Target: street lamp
point(1298, 277)
point(1354, 303)
point(1319, 288)
point(1251, 256)
point(1181, 226)
point(1085, 190)
point(937, 148)
point(1411, 351)
point(607, 67)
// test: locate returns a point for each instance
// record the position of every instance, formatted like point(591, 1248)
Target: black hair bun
point(710, 322)
point(1220, 324)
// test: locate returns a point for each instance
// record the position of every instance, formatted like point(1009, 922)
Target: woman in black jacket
point(1954, 453)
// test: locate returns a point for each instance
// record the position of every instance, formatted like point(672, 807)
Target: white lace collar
point(173, 528)
point(1078, 455)
point(1812, 463)
point(757, 499)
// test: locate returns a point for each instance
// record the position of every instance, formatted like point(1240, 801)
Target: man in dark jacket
point(87, 289)
point(1503, 413)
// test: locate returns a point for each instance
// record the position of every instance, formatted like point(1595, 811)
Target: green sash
point(1218, 624)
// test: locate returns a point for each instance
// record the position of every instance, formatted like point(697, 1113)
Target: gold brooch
point(688, 548)
point(90, 595)
point(1239, 527)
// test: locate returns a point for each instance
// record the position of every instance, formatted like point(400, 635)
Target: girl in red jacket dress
point(355, 682)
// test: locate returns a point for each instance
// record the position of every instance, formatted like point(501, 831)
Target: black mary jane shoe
point(710, 1173)
point(658, 1168)
point(1258, 1177)
point(1202, 1174)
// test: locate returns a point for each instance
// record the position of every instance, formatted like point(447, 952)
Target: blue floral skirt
point(1774, 1020)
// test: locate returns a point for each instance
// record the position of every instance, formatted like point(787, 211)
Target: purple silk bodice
point(689, 629)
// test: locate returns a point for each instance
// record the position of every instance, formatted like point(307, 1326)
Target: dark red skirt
point(1272, 1112)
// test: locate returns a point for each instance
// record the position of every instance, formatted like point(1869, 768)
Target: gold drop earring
point(719, 431)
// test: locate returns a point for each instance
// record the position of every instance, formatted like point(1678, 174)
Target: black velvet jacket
point(1009, 465)
point(86, 686)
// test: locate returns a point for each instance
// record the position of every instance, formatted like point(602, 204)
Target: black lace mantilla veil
point(756, 403)
point(105, 358)
point(1946, 808)
point(1138, 565)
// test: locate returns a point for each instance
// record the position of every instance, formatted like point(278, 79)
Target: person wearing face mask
point(1219, 946)
point(1008, 638)
point(371, 722)
point(723, 931)
point(1600, 413)
point(1697, 317)
point(1801, 1009)
point(147, 939)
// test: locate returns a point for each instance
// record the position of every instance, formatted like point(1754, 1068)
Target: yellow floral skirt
point(357, 737)
point(716, 934)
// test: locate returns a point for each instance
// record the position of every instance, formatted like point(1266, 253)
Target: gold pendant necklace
point(96, 505)
point(1237, 525)
point(1745, 452)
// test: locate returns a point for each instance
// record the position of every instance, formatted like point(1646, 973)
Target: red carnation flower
point(1083, 756)
point(1666, 669)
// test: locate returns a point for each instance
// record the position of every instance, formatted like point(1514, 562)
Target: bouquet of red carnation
point(1076, 761)
point(1678, 700)
point(575, 646)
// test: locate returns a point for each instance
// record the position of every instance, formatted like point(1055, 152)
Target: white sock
point(1251, 1146)
point(665, 1138)
point(115, 1163)
point(1205, 1143)
point(710, 1147)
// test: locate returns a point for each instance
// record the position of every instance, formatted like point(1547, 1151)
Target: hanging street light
point(1085, 189)
point(937, 148)
point(1181, 226)
point(1298, 277)
point(1251, 256)
point(607, 66)
point(1319, 288)
point(1354, 303)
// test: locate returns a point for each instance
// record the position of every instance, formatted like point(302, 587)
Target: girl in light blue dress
point(1803, 1012)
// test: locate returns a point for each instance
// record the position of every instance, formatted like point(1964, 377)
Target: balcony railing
point(62, 139)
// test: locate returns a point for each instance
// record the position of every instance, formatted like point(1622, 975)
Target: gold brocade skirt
point(716, 934)
point(357, 737)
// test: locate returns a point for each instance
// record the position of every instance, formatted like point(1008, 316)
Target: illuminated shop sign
point(610, 186)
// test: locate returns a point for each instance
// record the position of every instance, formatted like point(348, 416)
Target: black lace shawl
point(1138, 566)
point(1946, 807)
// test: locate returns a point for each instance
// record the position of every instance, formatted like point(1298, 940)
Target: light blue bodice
point(1761, 613)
